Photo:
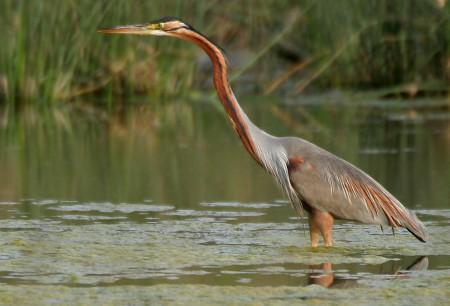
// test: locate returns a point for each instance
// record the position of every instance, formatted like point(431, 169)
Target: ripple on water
point(92, 218)
point(110, 207)
point(444, 213)
point(45, 202)
point(240, 205)
point(211, 213)
point(8, 203)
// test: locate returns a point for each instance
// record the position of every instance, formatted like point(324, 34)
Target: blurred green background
point(51, 52)
point(91, 116)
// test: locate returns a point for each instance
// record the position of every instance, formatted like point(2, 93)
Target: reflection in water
point(324, 276)
point(173, 154)
point(341, 277)
point(166, 195)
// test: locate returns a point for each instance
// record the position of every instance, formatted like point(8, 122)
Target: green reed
point(52, 53)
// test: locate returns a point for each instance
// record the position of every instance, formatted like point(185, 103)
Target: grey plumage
point(313, 179)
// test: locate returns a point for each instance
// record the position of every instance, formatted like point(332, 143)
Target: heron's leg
point(314, 232)
point(321, 222)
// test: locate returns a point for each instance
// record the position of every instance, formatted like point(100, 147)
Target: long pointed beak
point(138, 29)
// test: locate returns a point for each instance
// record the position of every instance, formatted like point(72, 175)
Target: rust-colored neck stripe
point(226, 96)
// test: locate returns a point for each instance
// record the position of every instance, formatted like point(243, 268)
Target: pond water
point(163, 205)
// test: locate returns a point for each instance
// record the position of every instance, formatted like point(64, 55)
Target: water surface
point(163, 205)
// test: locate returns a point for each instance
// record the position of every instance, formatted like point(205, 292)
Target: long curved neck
point(241, 123)
point(267, 150)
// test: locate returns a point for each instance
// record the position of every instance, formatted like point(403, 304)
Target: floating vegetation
point(241, 257)
point(144, 210)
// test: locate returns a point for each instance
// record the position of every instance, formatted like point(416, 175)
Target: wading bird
point(315, 180)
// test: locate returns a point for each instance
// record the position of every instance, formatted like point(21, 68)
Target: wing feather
point(330, 183)
point(353, 182)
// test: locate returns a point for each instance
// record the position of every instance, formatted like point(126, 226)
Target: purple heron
point(315, 180)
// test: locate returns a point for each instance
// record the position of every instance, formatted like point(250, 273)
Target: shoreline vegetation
point(52, 53)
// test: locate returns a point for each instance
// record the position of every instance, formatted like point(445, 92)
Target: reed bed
point(51, 53)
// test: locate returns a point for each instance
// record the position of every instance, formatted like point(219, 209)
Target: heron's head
point(167, 26)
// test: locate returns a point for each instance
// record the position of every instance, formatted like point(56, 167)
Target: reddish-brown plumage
point(294, 162)
point(376, 201)
point(227, 98)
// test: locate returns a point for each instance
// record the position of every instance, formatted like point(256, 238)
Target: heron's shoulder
point(300, 147)
point(322, 160)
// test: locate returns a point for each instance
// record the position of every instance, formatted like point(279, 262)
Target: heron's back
point(329, 183)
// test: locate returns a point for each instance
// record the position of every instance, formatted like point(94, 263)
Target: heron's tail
point(415, 227)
